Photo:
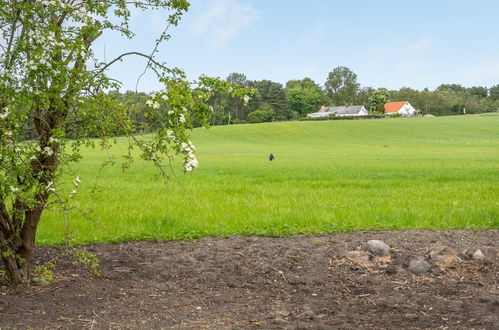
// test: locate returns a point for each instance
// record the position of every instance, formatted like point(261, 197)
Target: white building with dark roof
point(354, 110)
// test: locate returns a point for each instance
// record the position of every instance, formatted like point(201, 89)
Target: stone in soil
point(419, 265)
point(444, 256)
point(238, 289)
point(478, 255)
point(378, 248)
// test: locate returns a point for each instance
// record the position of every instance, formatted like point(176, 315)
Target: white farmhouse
point(354, 110)
point(403, 108)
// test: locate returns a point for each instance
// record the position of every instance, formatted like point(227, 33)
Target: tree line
point(273, 101)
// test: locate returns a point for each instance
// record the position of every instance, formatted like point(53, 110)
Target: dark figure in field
point(271, 157)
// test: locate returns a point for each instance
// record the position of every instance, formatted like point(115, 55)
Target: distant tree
point(273, 94)
point(237, 79)
point(303, 96)
point(305, 83)
point(341, 86)
point(234, 104)
point(494, 92)
point(135, 103)
point(377, 100)
point(362, 96)
point(413, 96)
point(479, 91)
point(263, 114)
point(451, 87)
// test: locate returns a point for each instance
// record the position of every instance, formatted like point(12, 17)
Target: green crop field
point(329, 176)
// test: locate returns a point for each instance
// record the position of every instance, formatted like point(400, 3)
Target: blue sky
point(387, 43)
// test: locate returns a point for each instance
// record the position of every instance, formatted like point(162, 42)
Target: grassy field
point(329, 176)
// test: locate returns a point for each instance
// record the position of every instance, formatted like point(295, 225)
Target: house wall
point(362, 112)
point(407, 110)
point(318, 114)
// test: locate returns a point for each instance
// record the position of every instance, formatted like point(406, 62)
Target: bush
point(333, 117)
point(260, 116)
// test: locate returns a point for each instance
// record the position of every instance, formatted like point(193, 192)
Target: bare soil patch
point(270, 283)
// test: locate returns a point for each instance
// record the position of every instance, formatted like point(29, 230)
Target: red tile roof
point(391, 107)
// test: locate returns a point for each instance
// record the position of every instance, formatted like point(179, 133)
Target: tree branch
point(133, 53)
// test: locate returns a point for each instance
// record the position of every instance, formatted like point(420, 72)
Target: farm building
point(354, 110)
point(403, 108)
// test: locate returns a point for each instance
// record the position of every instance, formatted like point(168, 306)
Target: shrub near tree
point(45, 80)
point(264, 114)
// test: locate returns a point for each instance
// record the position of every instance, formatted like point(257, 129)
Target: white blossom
point(190, 161)
point(14, 189)
point(5, 114)
point(48, 151)
point(182, 118)
point(191, 164)
point(246, 99)
point(50, 186)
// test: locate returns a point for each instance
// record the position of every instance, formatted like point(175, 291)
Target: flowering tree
point(51, 82)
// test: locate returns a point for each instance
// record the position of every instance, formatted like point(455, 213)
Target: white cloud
point(223, 20)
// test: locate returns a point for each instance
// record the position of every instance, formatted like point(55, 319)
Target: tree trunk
point(9, 261)
point(28, 236)
point(17, 254)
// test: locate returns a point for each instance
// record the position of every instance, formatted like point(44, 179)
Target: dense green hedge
point(260, 116)
point(373, 116)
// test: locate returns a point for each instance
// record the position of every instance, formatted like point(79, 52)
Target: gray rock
point(378, 248)
point(440, 250)
point(418, 266)
point(391, 269)
point(444, 256)
point(478, 255)
point(468, 253)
